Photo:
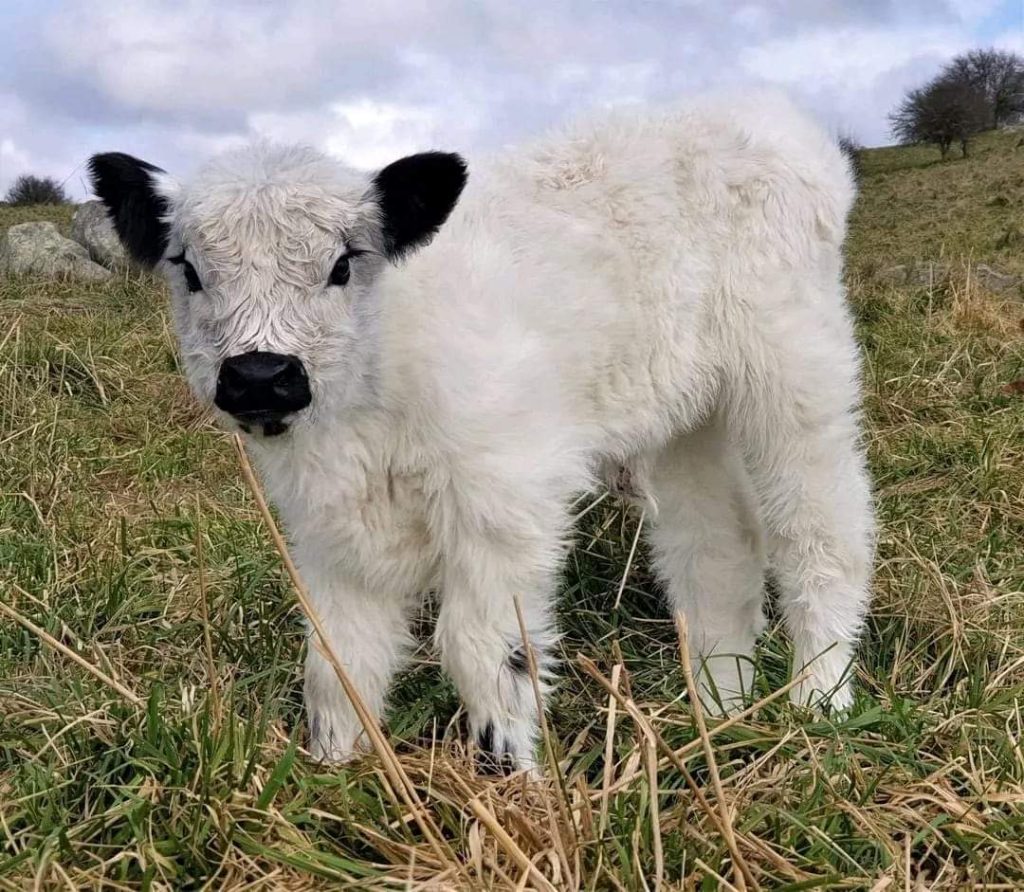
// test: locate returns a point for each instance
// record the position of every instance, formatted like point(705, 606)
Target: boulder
point(92, 229)
point(38, 249)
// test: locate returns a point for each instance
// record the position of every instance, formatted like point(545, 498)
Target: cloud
point(975, 10)
point(175, 80)
point(13, 161)
point(365, 133)
point(825, 59)
point(852, 75)
point(214, 62)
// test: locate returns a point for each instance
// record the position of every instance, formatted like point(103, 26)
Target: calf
point(429, 366)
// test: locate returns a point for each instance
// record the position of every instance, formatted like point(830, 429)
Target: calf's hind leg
point(707, 548)
point(795, 417)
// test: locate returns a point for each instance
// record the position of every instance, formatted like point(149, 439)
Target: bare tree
point(944, 112)
point(999, 75)
point(29, 189)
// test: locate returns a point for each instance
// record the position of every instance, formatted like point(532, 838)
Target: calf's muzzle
point(261, 389)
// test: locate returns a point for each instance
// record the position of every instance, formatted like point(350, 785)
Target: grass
point(59, 214)
point(127, 535)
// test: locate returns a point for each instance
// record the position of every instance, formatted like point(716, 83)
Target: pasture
point(174, 759)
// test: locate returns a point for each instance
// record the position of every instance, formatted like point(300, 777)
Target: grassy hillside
point(126, 535)
point(915, 207)
point(60, 214)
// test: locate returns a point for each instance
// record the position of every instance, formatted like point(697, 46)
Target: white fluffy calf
point(655, 291)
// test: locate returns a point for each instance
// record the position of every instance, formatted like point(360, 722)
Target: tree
point(943, 112)
point(999, 75)
point(29, 189)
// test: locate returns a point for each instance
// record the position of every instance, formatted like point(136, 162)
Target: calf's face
point(272, 255)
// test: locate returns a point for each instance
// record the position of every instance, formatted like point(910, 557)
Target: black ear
point(125, 185)
point(416, 195)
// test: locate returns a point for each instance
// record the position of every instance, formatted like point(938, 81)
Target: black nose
point(262, 387)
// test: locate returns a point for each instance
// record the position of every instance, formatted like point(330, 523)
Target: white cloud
point(846, 57)
point(16, 156)
point(854, 75)
point(176, 80)
point(971, 11)
point(752, 17)
point(365, 134)
point(1013, 39)
point(197, 56)
point(13, 161)
point(371, 134)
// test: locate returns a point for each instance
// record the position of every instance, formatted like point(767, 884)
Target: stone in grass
point(936, 272)
point(38, 249)
point(91, 228)
point(932, 273)
point(995, 281)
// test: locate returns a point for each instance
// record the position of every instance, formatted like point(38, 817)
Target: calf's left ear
point(415, 196)
point(127, 186)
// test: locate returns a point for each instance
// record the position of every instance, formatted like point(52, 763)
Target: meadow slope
point(174, 759)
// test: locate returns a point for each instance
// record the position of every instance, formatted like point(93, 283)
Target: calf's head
point(272, 255)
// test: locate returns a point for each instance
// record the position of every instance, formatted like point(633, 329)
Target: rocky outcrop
point(38, 249)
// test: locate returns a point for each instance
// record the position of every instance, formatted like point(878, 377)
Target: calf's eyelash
point(192, 281)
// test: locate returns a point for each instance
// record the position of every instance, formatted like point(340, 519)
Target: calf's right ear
point(127, 186)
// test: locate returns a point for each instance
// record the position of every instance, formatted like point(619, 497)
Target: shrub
point(29, 189)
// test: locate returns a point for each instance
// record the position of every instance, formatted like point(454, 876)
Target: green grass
point(916, 207)
point(115, 493)
point(60, 214)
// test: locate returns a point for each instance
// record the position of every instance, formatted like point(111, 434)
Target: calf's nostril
point(290, 371)
point(277, 369)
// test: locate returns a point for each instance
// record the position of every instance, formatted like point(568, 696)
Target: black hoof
point(488, 759)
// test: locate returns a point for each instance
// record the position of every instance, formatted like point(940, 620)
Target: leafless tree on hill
point(944, 112)
point(999, 75)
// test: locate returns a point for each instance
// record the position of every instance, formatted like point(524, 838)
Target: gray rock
point(936, 272)
point(38, 249)
point(92, 229)
point(994, 280)
point(932, 273)
point(893, 275)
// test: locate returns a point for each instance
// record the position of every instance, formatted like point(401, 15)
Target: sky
point(174, 82)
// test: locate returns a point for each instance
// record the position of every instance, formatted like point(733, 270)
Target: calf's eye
point(191, 278)
point(192, 282)
point(341, 272)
